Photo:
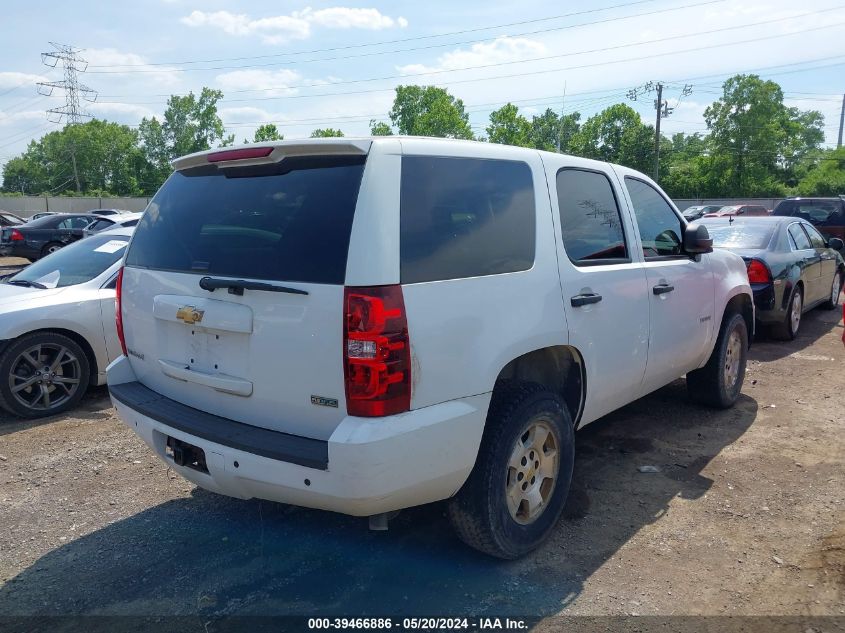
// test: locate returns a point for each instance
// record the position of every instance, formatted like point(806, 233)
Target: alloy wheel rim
point(532, 473)
point(795, 313)
point(45, 376)
point(733, 356)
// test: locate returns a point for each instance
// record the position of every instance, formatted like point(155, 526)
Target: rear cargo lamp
point(758, 272)
point(239, 154)
point(377, 355)
point(16, 236)
point(118, 310)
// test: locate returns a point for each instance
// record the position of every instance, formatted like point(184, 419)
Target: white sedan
point(57, 325)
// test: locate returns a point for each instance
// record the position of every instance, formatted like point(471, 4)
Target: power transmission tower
point(72, 112)
point(662, 109)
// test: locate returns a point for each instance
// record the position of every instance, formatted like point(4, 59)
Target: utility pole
point(71, 112)
point(662, 109)
point(841, 122)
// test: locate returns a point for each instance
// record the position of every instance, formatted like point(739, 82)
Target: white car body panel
point(258, 365)
point(86, 309)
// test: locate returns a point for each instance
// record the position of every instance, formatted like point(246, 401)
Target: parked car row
point(49, 232)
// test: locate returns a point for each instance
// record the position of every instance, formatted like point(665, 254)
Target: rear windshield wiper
point(26, 283)
point(237, 286)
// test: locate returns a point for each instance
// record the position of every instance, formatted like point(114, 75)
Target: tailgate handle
point(237, 286)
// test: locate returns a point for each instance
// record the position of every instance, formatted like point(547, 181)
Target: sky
point(303, 65)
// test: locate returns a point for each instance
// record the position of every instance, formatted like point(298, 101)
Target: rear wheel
point(50, 248)
point(719, 382)
point(788, 329)
point(42, 374)
point(835, 289)
point(518, 487)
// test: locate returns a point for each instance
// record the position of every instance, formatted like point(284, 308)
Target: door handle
point(586, 299)
point(662, 289)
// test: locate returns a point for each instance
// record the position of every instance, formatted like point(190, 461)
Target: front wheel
point(719, 382)
point(518, 487)
point(42, 374)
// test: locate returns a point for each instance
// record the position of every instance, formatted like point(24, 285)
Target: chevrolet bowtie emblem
point(189, 314)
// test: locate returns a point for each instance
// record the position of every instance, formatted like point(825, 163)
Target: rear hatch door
point(233, 288)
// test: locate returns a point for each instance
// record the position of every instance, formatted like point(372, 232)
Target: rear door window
point(465, 217)
point(591, 225)
point(287, 221)
point(815, 237)
point(660, 228)
point(799, 239)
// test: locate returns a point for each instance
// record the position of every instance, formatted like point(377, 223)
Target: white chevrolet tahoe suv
point(365, 325)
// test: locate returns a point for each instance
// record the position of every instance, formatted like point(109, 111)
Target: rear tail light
point(377, 354)
point(118, 310)
point(16, 236)
point(758, 272)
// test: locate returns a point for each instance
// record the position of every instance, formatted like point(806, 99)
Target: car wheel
point(719, 382)
point(519, 484)
point(788, 330)
point(835, 289)
point(42, 374)
point(50, 248)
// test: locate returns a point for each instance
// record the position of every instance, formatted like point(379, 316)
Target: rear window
point(465, 217)
point(741, 235)
point(818, 212)
point(287, 221)
point(76, 263)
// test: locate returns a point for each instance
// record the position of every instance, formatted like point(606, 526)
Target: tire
point(835, 288)
point(788, 329)
point(719, 382)
point(65, 385)
point(50, 248)
point(481, 512)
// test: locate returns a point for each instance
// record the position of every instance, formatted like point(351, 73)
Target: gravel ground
point(746, 516)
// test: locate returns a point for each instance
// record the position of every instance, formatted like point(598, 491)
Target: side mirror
point(835, 243)
point(697, 240)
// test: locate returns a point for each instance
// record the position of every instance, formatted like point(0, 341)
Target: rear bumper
point(768, 303)
point(367, 466)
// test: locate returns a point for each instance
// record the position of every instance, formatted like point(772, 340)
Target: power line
point(407, 50)
point(383, 42)
point(528, 73)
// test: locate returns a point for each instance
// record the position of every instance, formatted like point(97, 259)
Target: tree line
point(755, 145)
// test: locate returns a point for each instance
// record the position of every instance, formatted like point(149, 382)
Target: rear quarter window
point(287, 221)
point(465, 217)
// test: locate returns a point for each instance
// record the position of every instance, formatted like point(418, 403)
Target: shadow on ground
point(814, 324)
point(94, 405)
point(211, 556)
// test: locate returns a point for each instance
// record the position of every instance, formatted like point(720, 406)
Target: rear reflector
point(239, 154)
point(758, 272)
point(377, 351)
point(118, 310)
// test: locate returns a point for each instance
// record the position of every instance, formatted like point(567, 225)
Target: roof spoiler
point(273, 152)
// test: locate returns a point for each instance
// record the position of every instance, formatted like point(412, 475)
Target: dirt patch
point(742, 513)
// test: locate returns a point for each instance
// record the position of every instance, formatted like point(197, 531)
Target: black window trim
point(609, 261)
point(799, 224)
point(684, 224)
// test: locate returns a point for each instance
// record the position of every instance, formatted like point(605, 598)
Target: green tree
point(267, 132)
point(759, 140)
point(190, 124)
point(326, 133)
point(106, 156)
point(550, 131)
point(380, 128)
point(429, 111)
point(825, 175)
point(617, 135)
point(508, 127)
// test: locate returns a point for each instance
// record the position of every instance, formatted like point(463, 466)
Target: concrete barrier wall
point(27, 206)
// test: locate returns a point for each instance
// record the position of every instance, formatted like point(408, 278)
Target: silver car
point(57, 325)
